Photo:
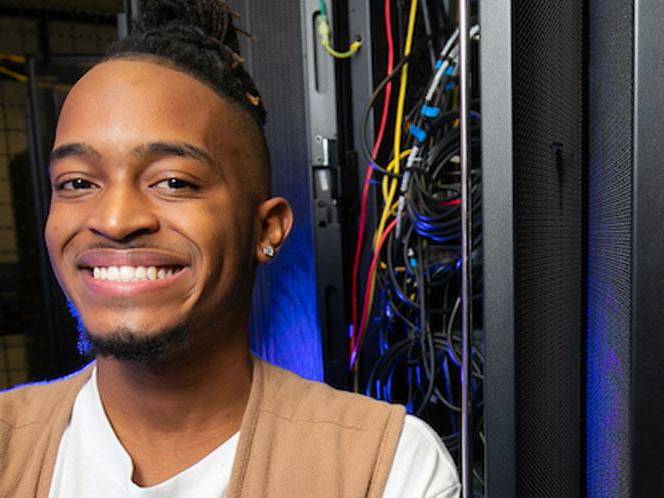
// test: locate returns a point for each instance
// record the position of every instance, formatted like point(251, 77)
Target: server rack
point(625, 402)
point(532, 86)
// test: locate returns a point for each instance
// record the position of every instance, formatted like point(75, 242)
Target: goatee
point(130, 345)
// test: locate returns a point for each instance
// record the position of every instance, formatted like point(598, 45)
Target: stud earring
point(268, 251)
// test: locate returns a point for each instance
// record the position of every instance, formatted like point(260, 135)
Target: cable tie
point(450, 86)
point(430, 112)
point(450, 70)
point(438, 65)
point(417, 132)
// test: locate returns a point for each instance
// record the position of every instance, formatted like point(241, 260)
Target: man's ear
point(275, 218)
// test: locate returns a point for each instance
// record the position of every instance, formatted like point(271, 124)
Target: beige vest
point(297, 439)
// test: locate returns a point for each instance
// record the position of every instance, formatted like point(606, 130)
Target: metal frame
point(466, 249)
point(647, 396)
point(362, 81)
point(499, 253)
point(322, 138)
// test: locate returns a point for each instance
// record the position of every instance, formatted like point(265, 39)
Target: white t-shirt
point(91, 462)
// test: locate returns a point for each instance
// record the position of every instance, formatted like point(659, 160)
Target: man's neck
point(170, 414)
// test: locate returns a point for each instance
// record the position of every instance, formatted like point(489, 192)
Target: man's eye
point(75, 184)
point(175, 184)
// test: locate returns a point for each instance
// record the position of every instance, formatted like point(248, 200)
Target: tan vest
point(297, 439)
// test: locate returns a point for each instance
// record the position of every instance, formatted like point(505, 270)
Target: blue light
point(608, 328)
point(284, 328)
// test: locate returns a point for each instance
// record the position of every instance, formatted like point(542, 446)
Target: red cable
point(453, 202)
point(367, 179)
point(367, 292)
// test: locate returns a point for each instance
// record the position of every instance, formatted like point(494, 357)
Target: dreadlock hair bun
point(209, 16)
point(199, 38)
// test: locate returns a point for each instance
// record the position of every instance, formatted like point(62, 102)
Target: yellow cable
point(324, 33)
point(388, 192)
point(390, 167)
point(18, 59)
point(22, 78)
point(372, 277)
point(393, 167)
point(354, 47)
point(391, 206)
point(13, 74)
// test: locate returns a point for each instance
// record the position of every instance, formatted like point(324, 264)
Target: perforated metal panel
point(548, 162)
point(610, 183)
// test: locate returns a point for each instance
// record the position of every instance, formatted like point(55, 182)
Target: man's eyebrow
point(73, 149)
point(180, 149)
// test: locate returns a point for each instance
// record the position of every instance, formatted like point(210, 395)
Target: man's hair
point(197, 37)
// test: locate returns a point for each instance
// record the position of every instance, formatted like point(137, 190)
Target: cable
point(370, 288)
point(408, 304)
point(374, 153)
point(324, 35)
point(398, 127)
point(427, 29)
point(372, 268)
point(13, 74)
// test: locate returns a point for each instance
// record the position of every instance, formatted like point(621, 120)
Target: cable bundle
point(409, 308)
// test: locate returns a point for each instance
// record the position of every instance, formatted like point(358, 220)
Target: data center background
point(564, 127)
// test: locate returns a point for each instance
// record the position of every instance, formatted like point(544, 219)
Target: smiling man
point(160, 212)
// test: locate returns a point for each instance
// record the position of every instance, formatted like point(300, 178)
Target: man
point(160, 212)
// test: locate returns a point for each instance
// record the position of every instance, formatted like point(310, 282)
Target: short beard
point(126, 344)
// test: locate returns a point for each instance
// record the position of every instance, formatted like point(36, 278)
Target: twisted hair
point(197, 37)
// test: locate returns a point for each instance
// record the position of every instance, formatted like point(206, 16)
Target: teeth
point(113, 273)
point(152, 273)
point(126, 273)
point(131, 273)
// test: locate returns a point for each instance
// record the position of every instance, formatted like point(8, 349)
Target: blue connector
point(429, 111)
point(417, 132)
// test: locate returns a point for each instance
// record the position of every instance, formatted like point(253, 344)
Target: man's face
point(152, 222)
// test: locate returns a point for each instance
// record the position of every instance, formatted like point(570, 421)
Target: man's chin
point(129, 343)
point(132, 345)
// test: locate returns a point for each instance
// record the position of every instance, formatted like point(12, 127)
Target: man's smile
point(130, 272)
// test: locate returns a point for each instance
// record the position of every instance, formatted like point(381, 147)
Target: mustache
point(123, 246)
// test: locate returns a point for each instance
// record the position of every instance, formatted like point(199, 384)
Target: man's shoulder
point(33, 403)
point(302, 400)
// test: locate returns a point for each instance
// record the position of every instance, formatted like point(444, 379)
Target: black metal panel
point(548, 150)
point(609, 300)
point(647, 395)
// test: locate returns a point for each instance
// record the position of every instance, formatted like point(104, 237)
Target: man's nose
point(123, 212)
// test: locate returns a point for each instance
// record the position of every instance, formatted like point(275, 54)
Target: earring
point(268, 251)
